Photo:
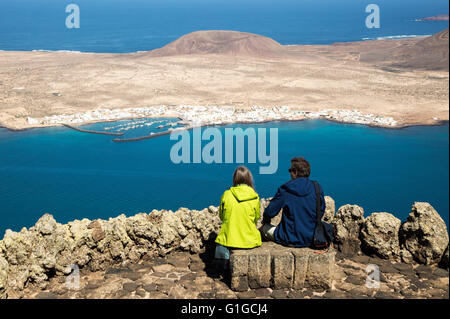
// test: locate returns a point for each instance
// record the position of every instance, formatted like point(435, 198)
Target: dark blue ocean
point(139, 25)
point(73, 175)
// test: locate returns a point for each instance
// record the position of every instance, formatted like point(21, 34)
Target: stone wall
point(281, 267)
point(422, 238)
point(33, 255)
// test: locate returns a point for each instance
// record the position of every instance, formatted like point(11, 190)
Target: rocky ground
point(184, 275)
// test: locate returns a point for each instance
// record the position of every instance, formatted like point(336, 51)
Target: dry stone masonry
point(273, 266)
point(32, 257)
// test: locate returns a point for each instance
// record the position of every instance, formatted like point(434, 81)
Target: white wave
point(60, 51)
point(74, 51)
point(393, 37)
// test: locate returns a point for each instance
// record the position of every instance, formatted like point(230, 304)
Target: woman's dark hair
point(242, 175)
point(301, 167)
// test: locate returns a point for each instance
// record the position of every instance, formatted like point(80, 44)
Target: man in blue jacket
point(297, 199)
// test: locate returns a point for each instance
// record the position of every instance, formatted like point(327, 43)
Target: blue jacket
point(297, 198)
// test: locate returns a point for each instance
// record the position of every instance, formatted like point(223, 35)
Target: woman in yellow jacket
point(239, 212)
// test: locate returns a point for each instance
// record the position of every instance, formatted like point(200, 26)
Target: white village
point(190, 115)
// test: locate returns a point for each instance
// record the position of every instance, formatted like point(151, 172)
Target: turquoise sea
point(73, 175)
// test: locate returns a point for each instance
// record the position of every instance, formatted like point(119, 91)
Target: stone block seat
point(278, 267)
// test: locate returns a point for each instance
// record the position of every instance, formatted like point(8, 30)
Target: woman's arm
point(258, 211)
point(221, 207)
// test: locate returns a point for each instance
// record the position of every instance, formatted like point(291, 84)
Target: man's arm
point(276, 204)
point(322, 201)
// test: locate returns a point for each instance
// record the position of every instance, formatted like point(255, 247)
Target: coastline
point(117, 139)
point(379, 38)
point(379, 126)
point(338, 77)
point(397, 125)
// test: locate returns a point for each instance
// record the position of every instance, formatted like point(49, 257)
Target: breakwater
point(141, 138)
point(152, 135)
point(92, 132)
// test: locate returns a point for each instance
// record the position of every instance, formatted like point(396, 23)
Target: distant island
point(439, 17)
point(390, 83)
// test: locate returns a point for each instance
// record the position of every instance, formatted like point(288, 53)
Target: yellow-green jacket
point(239, 212)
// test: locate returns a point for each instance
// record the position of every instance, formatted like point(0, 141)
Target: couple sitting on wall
point(301, 200)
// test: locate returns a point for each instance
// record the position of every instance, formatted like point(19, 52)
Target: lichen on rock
point(49, 248)
point(444, 260)
point(330, 209)
point(424, 234)
point(4, 268)
point(347, 226)
point(379, 235)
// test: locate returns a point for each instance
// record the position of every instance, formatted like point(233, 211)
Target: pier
point(142, 137)
point(92, 132)
point(152, 135)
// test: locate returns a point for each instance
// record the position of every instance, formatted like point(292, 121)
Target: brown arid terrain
point(429, 53)
point(223, 43)
point(405, 79)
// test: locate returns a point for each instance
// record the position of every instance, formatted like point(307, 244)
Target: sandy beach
point(366, 78)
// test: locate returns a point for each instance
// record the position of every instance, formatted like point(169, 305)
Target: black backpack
point(324, 233)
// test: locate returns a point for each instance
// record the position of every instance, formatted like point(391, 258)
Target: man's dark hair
point(301, 167)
